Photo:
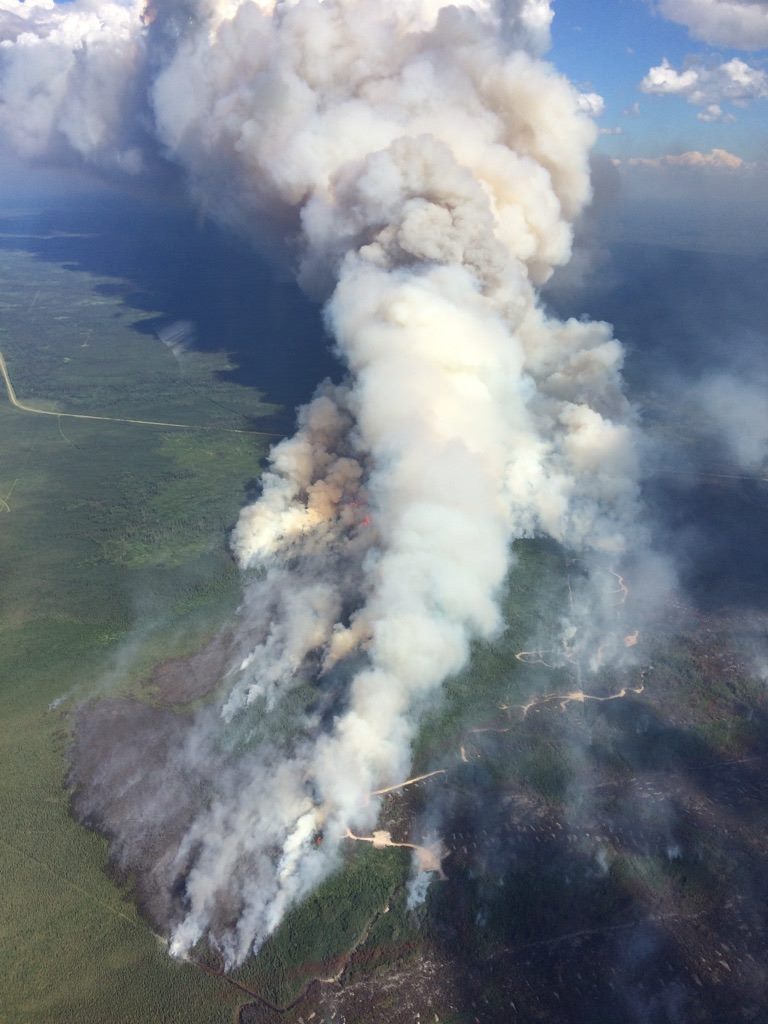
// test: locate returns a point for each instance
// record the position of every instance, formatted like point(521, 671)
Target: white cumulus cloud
point(591, 103)
point(708, 86)
point(714, 113)
point(741, 24)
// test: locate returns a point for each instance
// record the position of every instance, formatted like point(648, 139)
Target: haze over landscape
point(383, 466)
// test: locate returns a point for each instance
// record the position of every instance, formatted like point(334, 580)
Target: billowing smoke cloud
point(432, 167)
point(67, 77)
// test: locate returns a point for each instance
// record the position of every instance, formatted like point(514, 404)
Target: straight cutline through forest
point(116, 419)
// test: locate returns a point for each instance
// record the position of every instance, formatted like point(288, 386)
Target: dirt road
point(115, 419)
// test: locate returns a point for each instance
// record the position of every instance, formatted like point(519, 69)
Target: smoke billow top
point(430, 166)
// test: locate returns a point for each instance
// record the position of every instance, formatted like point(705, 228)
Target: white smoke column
point(434, 167)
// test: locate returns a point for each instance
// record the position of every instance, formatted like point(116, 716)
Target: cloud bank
point(716, 159)
point(741, 24)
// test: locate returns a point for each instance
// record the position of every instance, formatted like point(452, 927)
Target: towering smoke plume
point(431, 167)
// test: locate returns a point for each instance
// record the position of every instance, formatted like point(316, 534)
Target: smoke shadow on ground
point(676, 310)
point(167, 262)
point(715, 531)
point(640, 897)
point(684, 314)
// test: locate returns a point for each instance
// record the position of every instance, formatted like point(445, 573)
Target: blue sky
point(608, 46)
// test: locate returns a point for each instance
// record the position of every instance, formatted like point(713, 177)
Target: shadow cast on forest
point(165, 261)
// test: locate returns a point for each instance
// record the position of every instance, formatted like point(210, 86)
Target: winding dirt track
point(116, 419)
